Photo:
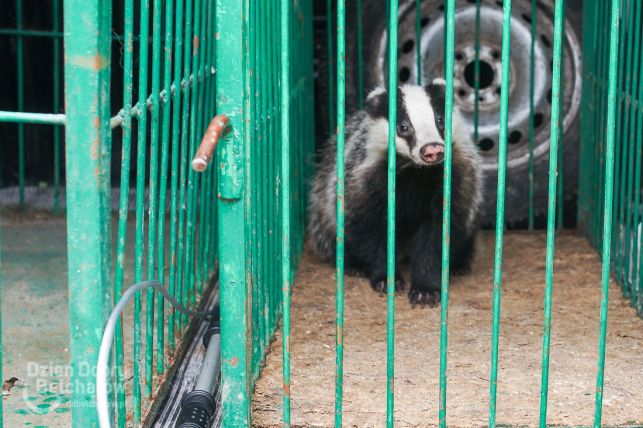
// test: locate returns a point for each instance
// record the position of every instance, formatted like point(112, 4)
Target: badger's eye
point(439, 121)
point(403, 129)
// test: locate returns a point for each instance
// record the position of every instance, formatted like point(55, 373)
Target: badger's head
point(420, 122)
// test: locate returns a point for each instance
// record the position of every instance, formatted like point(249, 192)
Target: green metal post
point(285, 23)
point(123, 205)
point(390, 209)
point(153, 192)
point(607, 213)
point(87, 71)
point(232, 18)
point(165, 160)
point(56, 103)
point(500, 206)
point(446, 213)
point(551, 206)
point(21, 104)
point(339, 261)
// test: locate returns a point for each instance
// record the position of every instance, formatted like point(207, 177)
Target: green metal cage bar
point(553, 202)
point(339, 216)
point(446, 213)
point(390, 212)
point(87, 67)
point(500, 206)
point(625, 242)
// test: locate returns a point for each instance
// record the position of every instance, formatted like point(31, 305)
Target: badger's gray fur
point(419, 178)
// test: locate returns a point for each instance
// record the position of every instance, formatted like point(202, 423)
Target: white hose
point(102, 368)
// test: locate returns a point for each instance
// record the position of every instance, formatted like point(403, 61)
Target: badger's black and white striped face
point(420, 121)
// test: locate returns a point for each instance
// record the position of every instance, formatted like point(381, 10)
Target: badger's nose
point(432, 152)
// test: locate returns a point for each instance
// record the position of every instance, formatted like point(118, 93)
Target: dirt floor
point(574, 342)
point(35, 319)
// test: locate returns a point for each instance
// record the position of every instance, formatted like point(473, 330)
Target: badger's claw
point(424, 297)
point(380, 285)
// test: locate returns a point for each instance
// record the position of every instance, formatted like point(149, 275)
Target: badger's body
point(419, 190)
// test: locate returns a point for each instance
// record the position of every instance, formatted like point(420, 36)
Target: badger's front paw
point(424, 297)
point(379, 285)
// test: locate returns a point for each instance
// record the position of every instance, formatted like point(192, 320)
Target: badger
point(420, 151)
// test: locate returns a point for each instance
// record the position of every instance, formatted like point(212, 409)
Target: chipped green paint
point(88, 148)
point(232, 98)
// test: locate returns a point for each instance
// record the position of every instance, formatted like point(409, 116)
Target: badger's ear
point(377, 103)
point(439, 81)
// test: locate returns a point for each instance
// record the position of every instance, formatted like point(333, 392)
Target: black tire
point(517, 183)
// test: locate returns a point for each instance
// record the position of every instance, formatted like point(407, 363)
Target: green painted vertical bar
point(628, 157)
point(607, 213)
point(340, 163)
point(193, 179)
point(551, 204)
point(56, 102)
point(285, 35)
point(139, 246)
point(21, 104)
point(123, 205)
point(153, 192)
point(253, 270)
point(620, 153)
point(232, 18)
point(200, 193)
point(446, 213)
point(561, 149)
point(587, 105)
point(636, 297)
point(174, 177)
point(418, 41)
point(532, 73)
point(500, 206)
point(88, 133)
point(360, 55)
point(390, 209)
point(185, 141)
point(165, 160)
point(476, 76)
point(603, 19)
point(264, 259)
point(331, 66)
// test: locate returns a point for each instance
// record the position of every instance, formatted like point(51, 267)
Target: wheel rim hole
point(405, 74)
point(408, 46)
point(538, 120)
point(459, 56)
point(486, 74)
point(515, 137)
point(462, 93)
point(486, 144)
point(495, 54)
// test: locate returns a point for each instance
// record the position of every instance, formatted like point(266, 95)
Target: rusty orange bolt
point(209, 142)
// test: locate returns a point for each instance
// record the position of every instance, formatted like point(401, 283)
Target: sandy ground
point(574, 342)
